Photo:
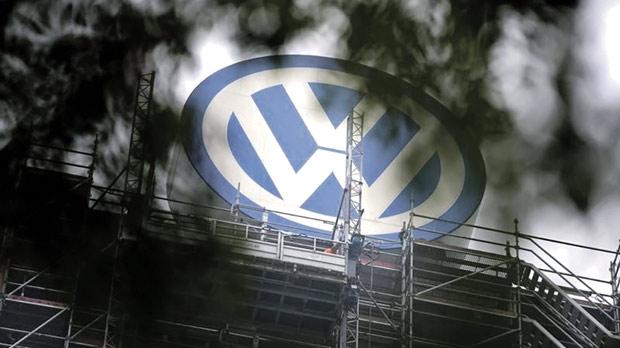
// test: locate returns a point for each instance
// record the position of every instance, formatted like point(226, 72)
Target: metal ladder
point(560, 306)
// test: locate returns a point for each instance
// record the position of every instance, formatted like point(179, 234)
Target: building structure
point(92, 266)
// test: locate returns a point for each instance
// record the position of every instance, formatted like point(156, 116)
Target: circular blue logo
point(276, 126)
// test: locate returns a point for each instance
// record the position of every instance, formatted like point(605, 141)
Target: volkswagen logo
point(276, 126)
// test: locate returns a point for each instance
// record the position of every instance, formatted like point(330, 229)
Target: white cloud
point(596, 85)
point(324, 40)
point(612, 44)
point(211, 50)
point(523, 65)
point(215, 48)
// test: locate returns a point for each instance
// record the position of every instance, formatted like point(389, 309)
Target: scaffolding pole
point(69, 337)
point(133, 203)
point(372, 281)
point(406, 286)
point(452, 281)
point(615, 290)
point(137, 156)
point(406, 281)
point(351, 206)
point(518, 285)
point(410, 294)
point(351, 215)
point(111, 334)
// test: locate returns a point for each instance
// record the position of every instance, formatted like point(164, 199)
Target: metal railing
point(582, 323)
point(251, 238)
point(538, 253)
point(568, 299)
point(66, 160)
point(577, 287)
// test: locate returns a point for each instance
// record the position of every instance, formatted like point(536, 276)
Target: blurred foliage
point(68, 67)
point(73, 65)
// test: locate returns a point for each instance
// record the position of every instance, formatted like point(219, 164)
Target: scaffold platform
point(288, 286)
point(83, 265)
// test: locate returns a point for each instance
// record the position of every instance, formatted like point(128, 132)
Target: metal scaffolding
point(351, 210)
point(134, 205)
point(55, 181)
point(371, 293)
point(406, 288)
point(351, 215)
point(133, 202)
point(403, 293)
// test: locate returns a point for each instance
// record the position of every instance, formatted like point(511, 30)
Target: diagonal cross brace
point(30, 280)
point(39, 327)
point(85, 327)
point(460, 278)
point(377, 305)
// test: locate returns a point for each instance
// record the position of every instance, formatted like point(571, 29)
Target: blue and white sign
point(277, 126)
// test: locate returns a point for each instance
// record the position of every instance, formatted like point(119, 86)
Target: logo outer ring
point(463, 208)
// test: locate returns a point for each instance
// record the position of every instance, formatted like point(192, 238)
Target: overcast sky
point(524, 62)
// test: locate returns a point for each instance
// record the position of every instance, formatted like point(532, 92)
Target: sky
point(535, 105)
point(523, 65)
point(550, 75)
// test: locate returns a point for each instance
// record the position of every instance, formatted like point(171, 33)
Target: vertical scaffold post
point(67, 340)
point(372, 284)
point(137, 157)
point(410, 287)
point(615, 289)
point(133, 201)
point(518, 279)
point(403, 288)
point(91, 173)
point(351, 214)
point(406, 287)
point(111, 334)
point(351, 207)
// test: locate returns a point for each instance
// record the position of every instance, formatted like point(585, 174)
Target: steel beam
point(60, 312)
point(495, 337)
point(108, 188)
point(614, 268)
point(452, 281)
point(239, 333)
point(137, 153)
